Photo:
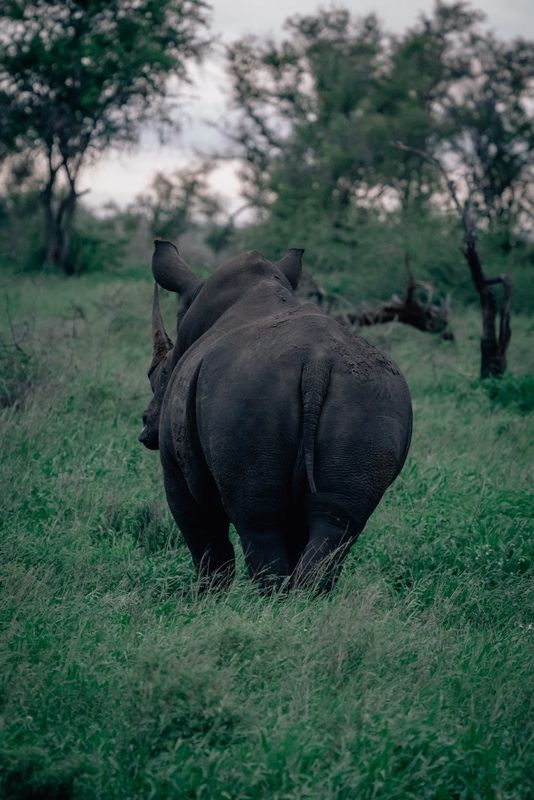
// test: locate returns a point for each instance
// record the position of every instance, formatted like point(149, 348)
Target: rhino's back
point(286, 338)
point(236, 406)
point(260, 365)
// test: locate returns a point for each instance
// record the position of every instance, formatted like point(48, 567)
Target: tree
point(78, 76)
point(319, 114)
point(493, 346)
point(490, 151)
point(491, 141)
point(176, 202)
point(323, 107)
point(295, 103)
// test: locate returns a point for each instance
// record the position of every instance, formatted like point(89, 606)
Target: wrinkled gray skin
point(267, 414)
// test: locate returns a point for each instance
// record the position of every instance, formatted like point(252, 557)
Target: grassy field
point(413, 679)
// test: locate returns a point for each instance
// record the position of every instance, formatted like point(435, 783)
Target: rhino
point(268, 415)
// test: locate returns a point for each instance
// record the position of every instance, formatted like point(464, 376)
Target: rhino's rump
point(237, 417)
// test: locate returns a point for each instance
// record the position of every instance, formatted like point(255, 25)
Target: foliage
point(177, 202)
point(364, 262)
point(180, 207)
point(77, 77)
point(511, 390)
point(315, 115)
point(490, 107)
point(22, 229)
point(319, 116)
point(118, 680)
point(96, 243)
point(366, 259)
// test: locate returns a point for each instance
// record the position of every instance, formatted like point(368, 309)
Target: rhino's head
point(203, 303)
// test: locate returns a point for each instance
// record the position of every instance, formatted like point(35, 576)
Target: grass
point(117, 680)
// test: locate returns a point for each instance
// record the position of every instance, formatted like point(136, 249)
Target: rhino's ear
point(170, 270)
point(291, 265)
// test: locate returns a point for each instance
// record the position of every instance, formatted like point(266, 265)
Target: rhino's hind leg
point(297, 536)
point(332, 533)
point(205, 530)
point(265, 556)
point(323, 557)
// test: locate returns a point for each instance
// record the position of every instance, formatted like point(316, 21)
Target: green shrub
point(22, 231)
point(367, 259)
point(516, 391)
point(97, 243)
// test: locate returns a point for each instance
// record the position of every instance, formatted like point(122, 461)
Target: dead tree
point(425, 316)
point(493, 346)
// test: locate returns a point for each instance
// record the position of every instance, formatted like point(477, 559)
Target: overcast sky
point(233, 18)
point(120, 176)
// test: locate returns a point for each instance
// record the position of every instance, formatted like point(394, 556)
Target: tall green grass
point(413, 679)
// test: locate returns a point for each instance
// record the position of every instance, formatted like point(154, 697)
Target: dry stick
point(493, 350)
point(423, 316)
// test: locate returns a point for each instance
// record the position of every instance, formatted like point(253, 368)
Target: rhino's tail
point(314, 385)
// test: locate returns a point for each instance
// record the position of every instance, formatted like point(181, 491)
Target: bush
point(516, 391)
point(367, 259)
point(97, 243)
point(22, 231)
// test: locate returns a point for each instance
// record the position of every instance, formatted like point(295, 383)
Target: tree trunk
point(50, 223)
point(425, 316)
point(65, 220)
point(493, 348)
point(58, 227)
point(59, 212)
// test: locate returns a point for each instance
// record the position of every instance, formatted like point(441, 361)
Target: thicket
point(366, 263)
point(340, 127)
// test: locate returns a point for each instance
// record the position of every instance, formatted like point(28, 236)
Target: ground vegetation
point(118, 679)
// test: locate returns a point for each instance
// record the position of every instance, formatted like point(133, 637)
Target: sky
point(120, 176)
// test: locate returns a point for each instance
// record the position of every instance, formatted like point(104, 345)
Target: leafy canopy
point(319, 115)
point(81, 74)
